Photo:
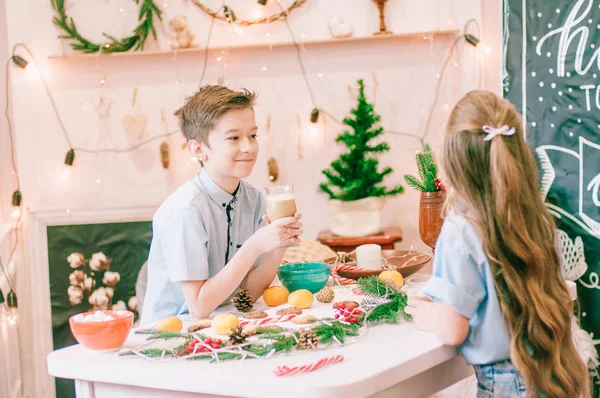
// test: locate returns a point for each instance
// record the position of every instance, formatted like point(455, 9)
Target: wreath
point(229, 16)
point(148, 10)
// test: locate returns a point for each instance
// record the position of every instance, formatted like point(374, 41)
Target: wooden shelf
point(200, 51)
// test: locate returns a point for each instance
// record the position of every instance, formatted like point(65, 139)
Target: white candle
point(368, 256)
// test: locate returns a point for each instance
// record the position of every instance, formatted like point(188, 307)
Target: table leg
point(84, 389)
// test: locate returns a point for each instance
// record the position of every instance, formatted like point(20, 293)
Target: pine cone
point(308, 339)
point(237, 336)
point(325, 295)
point(243, 301)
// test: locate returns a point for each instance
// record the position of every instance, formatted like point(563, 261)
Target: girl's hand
point(425, 313)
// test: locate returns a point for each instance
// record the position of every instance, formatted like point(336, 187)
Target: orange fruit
point(223, 323)
point(276, 295)
point(393, 277)
point(301, 299)
point(170, 324)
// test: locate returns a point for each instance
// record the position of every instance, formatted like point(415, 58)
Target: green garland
point(148, 10)
point(384, 303)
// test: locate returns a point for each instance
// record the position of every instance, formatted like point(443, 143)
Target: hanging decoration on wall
point(273, 169)
point(147, 12)
point(165, 155)
point(338, 28)
point(181, 37)
point(382, 28)
point(103, 108)
point(226, 14)
point(135, 125)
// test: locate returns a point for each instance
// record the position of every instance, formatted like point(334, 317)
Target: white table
point(389, 361)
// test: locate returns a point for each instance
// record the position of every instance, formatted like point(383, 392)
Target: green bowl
point(309, 276)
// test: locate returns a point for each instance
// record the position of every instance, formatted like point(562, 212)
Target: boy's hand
point(277, 233)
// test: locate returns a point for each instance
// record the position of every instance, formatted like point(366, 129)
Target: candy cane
point(357, 292)
point(266, 321)
point(340, 279)
point(288, 371)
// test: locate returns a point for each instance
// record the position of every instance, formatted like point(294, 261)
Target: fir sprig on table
point(150, 352)
point(223, 356)
point(390, 312)
point(326, 332)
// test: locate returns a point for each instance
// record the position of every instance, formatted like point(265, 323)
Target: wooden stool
point(386, 240)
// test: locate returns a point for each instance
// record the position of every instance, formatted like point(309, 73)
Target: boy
point(211, 231)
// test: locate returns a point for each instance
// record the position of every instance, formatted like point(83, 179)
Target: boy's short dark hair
point(200, 111)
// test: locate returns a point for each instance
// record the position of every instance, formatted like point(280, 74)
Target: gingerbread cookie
point(289, 311)
point(256, 315)
point(347, 303)
point(303, 319)
point(199, 325)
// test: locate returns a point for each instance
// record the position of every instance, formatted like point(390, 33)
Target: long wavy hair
point(495, 185)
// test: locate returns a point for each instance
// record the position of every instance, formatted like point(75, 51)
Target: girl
point(497, 288)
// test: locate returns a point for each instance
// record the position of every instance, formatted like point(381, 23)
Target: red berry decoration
point(218, 341)
point(208, 340)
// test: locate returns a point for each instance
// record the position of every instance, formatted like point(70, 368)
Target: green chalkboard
point(552, 64)
point(127, 244)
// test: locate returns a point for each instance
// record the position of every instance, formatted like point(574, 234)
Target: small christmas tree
point(428, 171)
point(354, 175)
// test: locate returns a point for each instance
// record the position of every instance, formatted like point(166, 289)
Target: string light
point(20, 61)
point(70, 157)
point(314, 116)
point(264, 68)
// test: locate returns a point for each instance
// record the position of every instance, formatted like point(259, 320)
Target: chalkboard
point(127, 244)
point(552, 74)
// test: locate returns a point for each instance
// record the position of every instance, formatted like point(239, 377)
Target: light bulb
point(488, 50)
point(13, 311)
point(12, 316)
point(15, 213)
point(65, 173)
point(237, 29)
point(257, 12)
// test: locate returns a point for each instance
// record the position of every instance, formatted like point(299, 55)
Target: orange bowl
point(105, 335)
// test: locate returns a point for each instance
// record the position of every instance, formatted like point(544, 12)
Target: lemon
point(223, 323)
point(170, 324)
point(394, 277)
point(301, 299)
point(276, 295)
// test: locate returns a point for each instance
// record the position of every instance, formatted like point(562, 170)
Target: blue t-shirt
point(196, 231)
point(462, 278)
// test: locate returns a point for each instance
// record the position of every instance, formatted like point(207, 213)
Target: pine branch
point(414, 182)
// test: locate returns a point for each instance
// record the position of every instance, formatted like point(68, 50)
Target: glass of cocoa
point(281, 203)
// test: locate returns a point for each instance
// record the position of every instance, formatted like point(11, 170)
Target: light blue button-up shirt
point(462, 278)
point(196, 231)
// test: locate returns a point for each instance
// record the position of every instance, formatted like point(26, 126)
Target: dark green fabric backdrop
point(552, 76)
point(127, 244)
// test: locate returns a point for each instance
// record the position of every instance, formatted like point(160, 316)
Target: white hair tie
point(494, 131)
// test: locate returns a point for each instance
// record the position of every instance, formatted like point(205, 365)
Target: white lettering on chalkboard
point(568, 33)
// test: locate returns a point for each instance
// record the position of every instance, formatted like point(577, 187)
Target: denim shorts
point(499, 380)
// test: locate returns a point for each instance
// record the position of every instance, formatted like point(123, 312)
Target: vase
point(358, 217)
point(430, 216)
